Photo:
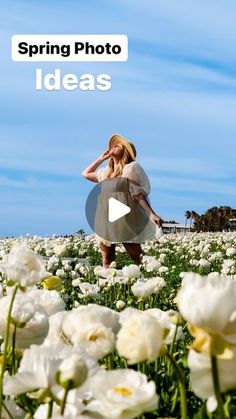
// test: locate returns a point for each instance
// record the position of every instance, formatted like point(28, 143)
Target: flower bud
point(120, 304)
point(72, 371)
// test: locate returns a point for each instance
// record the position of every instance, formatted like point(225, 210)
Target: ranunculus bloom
point(37, 369)
point(165, 322)
point(88, 289)
point(29, 317)
point(123, 393)
point(151, 263)
point(231, 251)
point(40, 365)
point(51, 301)
point(107, 272)
point(96, 313)
point(146, 287)
point(140, 338)
point(55, 333)
point(97, 339)
point(24, 267)
point(209, 303)
point(131, 271)
point(201, 373)
point(92, 327)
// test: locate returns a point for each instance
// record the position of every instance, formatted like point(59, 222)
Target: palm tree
point(191, 220)
point(187, 217)
point(196, 221)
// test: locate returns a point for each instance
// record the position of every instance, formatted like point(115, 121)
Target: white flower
point(164, 319)
point(81, 268)
point(60, 249)
point(112, 264)
point(76, 282)
point(201, 373)
point(97, 339)
point(163, 269)
point(71, 412)
point(28, 316)
point(60, 273)
point(72, 369)
point(231, 251)
point(211, 404)
point(24, 267)
point(74, 275)
point(67, 266)
point(204, 263)
point(91, 312)
point(92, 327)
point(144, 288)
point(88, 289)
point(140, 338)
point(122, 394)
point(106, 272)
point(49, 300)
point(37, 369)
point(162, 257)
point(131, 271)
point(55, 334)
point(151, 263)
point(40, 365)
point(127, 313)
point(210, 304)
point(120, 304)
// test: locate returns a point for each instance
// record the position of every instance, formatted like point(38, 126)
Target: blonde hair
point(128, 156)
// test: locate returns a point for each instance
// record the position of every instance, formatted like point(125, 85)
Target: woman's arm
point(89, 173)
point(144, 203)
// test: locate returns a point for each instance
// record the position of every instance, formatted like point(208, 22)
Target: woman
point(122, 154)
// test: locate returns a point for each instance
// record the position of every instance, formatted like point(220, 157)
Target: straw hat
point(118, 139)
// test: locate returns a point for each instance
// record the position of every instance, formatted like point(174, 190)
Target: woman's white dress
point(139, 184)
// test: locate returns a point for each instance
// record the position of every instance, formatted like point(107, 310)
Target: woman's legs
point(134, 250)
point(108, 254)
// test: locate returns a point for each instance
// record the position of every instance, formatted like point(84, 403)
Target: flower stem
point(6, 339)
point(13, 350)
point(181, 382)
point(50, 409)
point(216, 385)
point(172, 350)
point(67, 389)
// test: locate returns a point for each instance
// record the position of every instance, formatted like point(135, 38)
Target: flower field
point(154, 341)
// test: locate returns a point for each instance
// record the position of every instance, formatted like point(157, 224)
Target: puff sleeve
point(102, 172)
point(140, 183)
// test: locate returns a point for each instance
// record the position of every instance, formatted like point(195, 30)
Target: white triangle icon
point(116, 209)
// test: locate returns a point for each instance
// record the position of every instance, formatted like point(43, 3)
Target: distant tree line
point(214, 219)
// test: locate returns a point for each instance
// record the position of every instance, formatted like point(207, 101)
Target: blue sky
point(175, 98)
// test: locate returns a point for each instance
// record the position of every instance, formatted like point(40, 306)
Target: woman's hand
point(156, 219)
point(90, 172)
point(104, 156)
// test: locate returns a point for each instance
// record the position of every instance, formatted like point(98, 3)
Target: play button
point(113, 214)
point(116, 210)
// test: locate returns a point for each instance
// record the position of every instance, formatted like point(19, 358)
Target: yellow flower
point(52, 283)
